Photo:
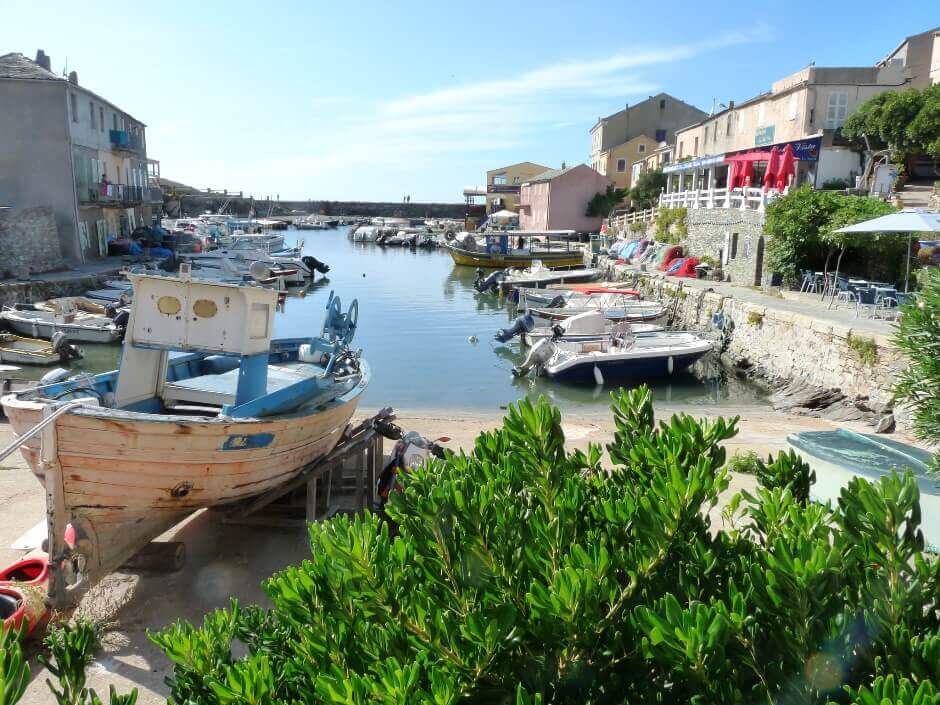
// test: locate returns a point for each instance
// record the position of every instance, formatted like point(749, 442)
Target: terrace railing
point(740, 198)
point(621, 220)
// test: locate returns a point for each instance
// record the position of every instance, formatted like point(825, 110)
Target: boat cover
point(864, 454)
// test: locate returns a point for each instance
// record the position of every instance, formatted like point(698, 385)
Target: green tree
point(601, 204)
point(525, 573)
point(802, 225)
point(908, 122)
point(646, 190)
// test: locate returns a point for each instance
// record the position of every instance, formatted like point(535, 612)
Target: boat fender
point(54, 376)
point(598, 376)
point(523, 324)
point(670, 365)
point(306, 353)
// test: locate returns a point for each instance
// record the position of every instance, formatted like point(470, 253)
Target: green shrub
point(670, 225)
point(865, 349)
point(918, 337)
point(755, 318)
point(637, 227)
point(835, 185)
point(747, 462)
point(526, 573)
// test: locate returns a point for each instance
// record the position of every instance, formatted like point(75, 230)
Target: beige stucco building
point(919, 55)
point(658, 117)
point(805, 109)
point(502, 185)
point(558, 199)
point(616, 162)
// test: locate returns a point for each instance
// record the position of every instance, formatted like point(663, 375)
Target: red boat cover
point(592, 289)
point(671, 254)
point(688, 268)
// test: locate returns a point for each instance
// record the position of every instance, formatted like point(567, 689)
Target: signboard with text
point(764, 136)
point(502, 188)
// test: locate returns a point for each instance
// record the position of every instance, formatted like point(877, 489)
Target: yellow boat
point(498, 253)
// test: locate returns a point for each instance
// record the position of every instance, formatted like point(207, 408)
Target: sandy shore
point(225, 561)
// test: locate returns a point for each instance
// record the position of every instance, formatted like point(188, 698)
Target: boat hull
point(635, 369)
point(75, 333)
point(496, 260)
point(124, 478)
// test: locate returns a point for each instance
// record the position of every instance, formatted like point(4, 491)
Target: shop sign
point(764, 136)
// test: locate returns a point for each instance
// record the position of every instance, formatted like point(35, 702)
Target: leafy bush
point(646, 190)
point(835, 185)
point(802, 233)
point(865, 349)
point(906, 121)
point(529, 574)
point(636, 228)
point(747, 462)
point(670, 225)
point(601, 204)
point(755, 318)
point(918, 337)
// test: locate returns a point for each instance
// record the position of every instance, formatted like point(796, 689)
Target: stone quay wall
point(733, 237)
point(27, 292)
point(29, 242)
point(782, 348)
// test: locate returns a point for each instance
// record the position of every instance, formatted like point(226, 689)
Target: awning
point(749, 157)
point(699, 163)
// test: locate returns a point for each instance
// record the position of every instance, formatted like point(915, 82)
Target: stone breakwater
point(814, 366)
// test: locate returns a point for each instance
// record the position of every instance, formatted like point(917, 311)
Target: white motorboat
point(621, 357)
point(77, 326)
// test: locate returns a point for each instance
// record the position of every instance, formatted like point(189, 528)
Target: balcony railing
point(740, 198)
point(115, 193)
point(122, 140)
point(153, 194)
point(621, 220)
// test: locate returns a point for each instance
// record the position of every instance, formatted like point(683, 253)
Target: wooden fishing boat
point(16, 349)
point(132, 452)
point(839, 456)
point(517, 248)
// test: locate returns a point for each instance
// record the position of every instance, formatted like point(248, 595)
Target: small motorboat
point(621, 356)
point(66, 304)
point(587, 326)
point(557, 298)
point(110, 295)
point(15, 349)
point(77, 326)
point(630, 311)
point(842, 455)
point(538, 276)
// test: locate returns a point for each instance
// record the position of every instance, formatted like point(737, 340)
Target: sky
point(375, 101)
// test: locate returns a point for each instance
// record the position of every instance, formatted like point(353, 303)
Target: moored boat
point(77, 326)
point(516, 248)
point(15, 349)
point(130, 453)
point(839, 456)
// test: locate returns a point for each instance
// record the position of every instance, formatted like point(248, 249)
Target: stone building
point(919, 56)
point(69, 149)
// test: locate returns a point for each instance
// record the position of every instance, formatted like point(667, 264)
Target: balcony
point(153, 194)
point(124, 141)
point(116, 194)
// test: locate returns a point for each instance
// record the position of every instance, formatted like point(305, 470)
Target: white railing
point(620, 221)
point(740, 198)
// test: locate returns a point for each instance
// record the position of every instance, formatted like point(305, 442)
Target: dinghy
point(128, 454)
point(79, 327)
point(619, 357)
point(15, 349)
point(841, 455)
point(631, 311)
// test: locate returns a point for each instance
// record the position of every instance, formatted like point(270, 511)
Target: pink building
point(558, 199)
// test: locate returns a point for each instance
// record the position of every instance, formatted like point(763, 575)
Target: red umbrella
point(787, 168)
point(770, 175)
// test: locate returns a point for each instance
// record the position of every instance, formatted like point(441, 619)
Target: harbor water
point(428, 336)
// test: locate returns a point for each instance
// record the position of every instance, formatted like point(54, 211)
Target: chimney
point(43, 60)
point(730, 105)
point(73, 77)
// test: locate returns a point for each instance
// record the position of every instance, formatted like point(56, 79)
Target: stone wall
point(731, 236)
point(29, 241)
point(783, 348)
point(15, 292)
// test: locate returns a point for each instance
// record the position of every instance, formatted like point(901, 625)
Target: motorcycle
point(410, 451)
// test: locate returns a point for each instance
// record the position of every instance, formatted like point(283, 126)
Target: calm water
point(417, 311)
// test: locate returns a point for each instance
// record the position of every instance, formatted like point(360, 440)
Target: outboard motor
point(312, 263)
point(558, 302)
point(540, 353)
point(489, 283)
point(121, 318)
point(523, 324)
point(65, 350)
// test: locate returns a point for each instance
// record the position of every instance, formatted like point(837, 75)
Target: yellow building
point(502, 185)
point(616, 162)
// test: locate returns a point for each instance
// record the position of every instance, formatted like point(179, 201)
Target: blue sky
point(375, 100)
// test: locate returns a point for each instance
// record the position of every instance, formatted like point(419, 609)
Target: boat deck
point(219, 389)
